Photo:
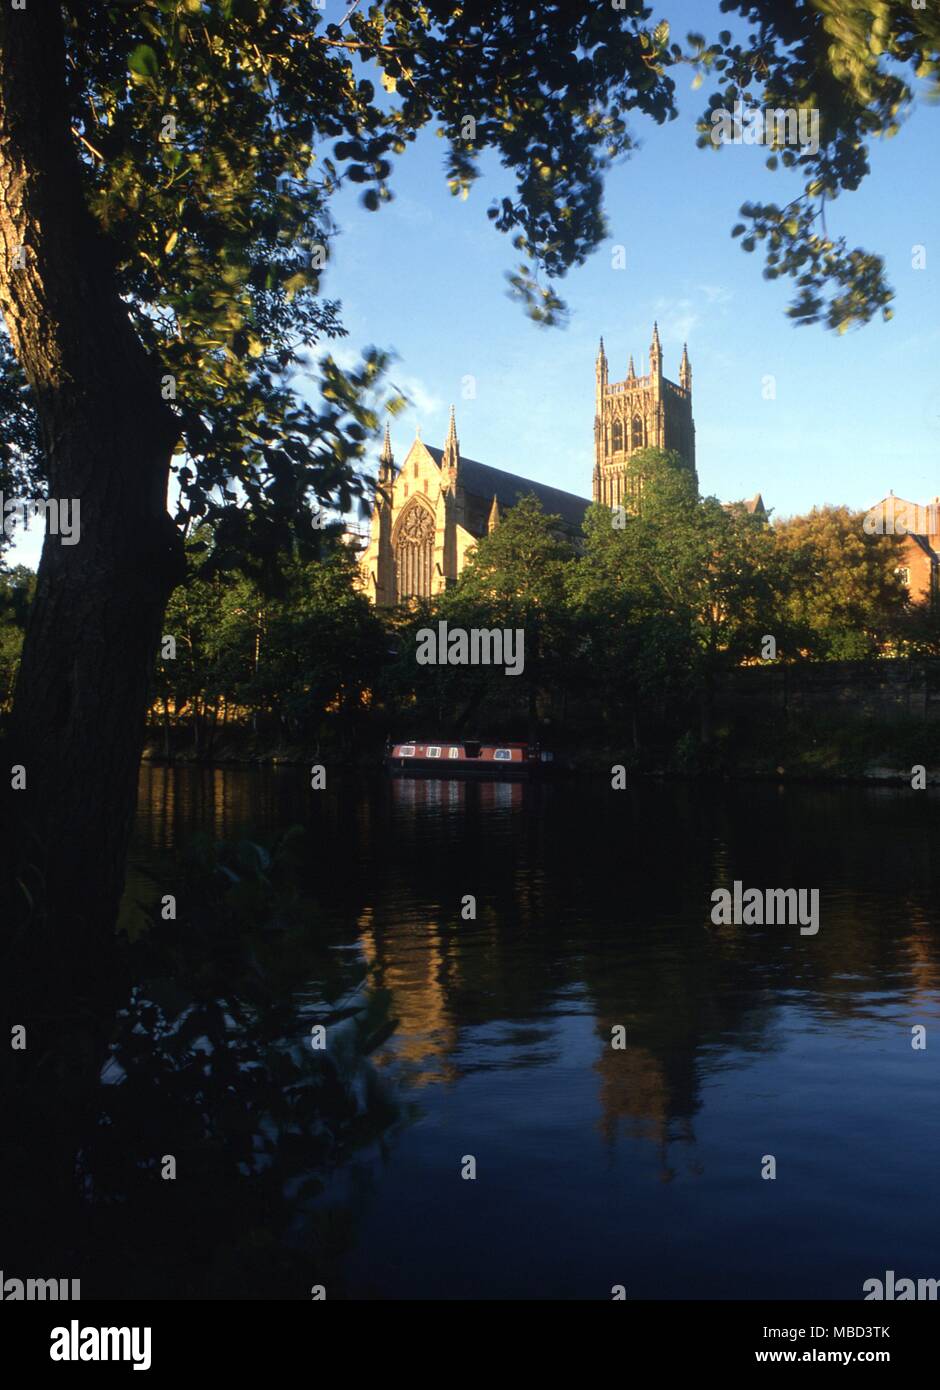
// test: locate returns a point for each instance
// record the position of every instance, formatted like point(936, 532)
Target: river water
point(639, 1165)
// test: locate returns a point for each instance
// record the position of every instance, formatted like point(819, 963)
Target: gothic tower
point(640, 412)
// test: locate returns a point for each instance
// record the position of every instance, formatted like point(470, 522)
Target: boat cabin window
point(433, 752)
point(503, 755)
point(453, 752)
point(407, 750)
point(472, 748)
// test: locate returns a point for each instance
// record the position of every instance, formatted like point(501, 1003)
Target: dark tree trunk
point(81, 697)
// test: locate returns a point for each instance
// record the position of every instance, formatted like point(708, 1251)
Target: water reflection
point(638, 1164)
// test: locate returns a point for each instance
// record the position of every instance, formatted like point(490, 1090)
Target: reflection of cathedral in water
point(462, 990)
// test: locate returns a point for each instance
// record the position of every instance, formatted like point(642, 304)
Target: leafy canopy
point(859, 64)
point(214, 137)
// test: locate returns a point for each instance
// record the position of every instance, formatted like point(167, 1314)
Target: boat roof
point(494, 742)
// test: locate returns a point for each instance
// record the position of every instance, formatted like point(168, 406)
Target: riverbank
point(811, 749)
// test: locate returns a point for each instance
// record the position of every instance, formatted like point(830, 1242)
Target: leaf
point(171, 241)
point(143, 61)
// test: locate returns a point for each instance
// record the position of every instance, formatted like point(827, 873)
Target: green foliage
point(629, 624)
point(213, 138)
point(518, 569)
point(843, 596)
point(288, 658)
point(212, 1049)
point(701, 576)
point(16, 591)
point(858, 64)
point(919, 630)
point(20, 446)
point(515, 579)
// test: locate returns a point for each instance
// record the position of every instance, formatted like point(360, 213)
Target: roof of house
point(486, 482)
point(754, 506)
point(923, 544)
point(911, 518)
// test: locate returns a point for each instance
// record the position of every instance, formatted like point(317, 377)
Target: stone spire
point(493, 518)
point(656, 353)
point(451, 460)
point(600, 372)
point(631, 371)
point(386, 461)
point(685, 369)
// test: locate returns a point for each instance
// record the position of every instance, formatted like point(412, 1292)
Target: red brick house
point(919, 528)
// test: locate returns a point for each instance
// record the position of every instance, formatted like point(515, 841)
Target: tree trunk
point(81, 697)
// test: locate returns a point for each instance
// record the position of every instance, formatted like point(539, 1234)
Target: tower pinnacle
point(451, 459)
point(386, 461)
point(685, 369)
point(656, 354)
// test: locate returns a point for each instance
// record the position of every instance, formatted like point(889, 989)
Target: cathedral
point(430, 512)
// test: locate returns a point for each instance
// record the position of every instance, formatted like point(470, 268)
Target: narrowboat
point(465, 758)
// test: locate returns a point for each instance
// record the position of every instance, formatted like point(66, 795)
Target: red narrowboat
point(465, 758)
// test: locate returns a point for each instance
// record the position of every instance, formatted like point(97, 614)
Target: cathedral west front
point(430, 512)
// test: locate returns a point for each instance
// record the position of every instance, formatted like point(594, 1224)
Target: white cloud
point(677, 318)
point(424, 403)
point(716, 294)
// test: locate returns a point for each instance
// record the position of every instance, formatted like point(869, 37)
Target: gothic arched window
point(617, 436)
point(637, 439)
point(414, 552)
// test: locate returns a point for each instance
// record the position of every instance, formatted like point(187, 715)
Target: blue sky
point(854, 415)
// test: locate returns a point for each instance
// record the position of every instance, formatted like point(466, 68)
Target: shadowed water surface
point(639, 1166)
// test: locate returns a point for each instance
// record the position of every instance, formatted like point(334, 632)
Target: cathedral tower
point(640, 412)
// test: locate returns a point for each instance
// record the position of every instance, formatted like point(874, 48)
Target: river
point(639, 1165)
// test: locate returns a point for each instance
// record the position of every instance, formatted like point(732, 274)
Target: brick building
point(919, 527)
